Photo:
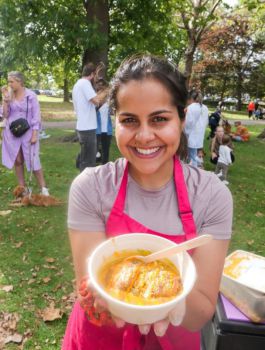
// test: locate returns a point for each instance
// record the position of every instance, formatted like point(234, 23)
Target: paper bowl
point(140, 314)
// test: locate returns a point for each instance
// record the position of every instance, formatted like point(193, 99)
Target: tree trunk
point(65, 90)
point(239, 86)
point(189, 62)
point(98, 11)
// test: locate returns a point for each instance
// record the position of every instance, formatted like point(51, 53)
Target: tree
point(54, 33)
point(230, 52)
point(143, 26)
point(196, 17)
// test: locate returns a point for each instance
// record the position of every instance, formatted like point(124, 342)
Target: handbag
point(20, 126)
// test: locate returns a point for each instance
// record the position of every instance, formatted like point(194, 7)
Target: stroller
point(214, 120)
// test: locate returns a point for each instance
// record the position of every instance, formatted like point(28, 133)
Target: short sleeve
point(88, 90)
point(84, 210)
point(219, 213)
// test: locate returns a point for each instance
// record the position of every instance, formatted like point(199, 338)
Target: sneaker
point(43, 135)
point(98, 155)
point(225, 182)
point(45, 191)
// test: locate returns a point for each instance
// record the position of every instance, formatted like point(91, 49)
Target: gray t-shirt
point(93, 193)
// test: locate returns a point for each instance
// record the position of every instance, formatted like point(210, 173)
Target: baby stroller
point(214, 120)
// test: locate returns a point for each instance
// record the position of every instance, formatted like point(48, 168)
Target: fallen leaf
point(46, 279)
point(5, 212)
point(15, 338)
point(258, 214)
point(51, 313)
point(250, 242)
point(50, 260)
point(19, 244)
point(7, 288)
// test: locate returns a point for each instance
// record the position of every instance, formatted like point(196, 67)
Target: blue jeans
point(88, 143)
point(192, 154)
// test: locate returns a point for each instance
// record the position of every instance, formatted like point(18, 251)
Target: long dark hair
point(140, 67)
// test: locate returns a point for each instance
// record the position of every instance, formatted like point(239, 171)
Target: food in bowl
point(135, 282)
point(132, 313)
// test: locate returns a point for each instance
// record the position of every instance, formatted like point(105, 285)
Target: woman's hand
point(175, 317)
point(6, 95)
point(214, 155)
point(95, 307)
point(34, 137)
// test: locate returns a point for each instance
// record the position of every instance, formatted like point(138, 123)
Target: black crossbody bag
point(20, 126)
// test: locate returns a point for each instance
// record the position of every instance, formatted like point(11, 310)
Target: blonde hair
point(18, 76)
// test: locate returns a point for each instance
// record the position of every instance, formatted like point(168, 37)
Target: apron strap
point(185, 211)
point(119, 203)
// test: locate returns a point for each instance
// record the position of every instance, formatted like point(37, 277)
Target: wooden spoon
point(167, 252)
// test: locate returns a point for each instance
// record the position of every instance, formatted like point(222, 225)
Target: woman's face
point(219, 132)
point(148, 127)
point(14, 84)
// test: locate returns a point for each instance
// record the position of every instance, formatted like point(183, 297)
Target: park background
point(220, 48)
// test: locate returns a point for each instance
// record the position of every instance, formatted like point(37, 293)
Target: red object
point(251, 106)
point(81, 334)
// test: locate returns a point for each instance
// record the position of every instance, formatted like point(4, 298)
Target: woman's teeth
point(147, 151)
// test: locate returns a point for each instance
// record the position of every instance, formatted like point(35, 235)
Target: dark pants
point(223, 168)
point(88, 143)
point(104, 140)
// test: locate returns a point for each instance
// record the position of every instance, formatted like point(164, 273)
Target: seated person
point(241, 133)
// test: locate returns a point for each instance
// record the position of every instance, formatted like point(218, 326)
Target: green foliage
point(143, 26)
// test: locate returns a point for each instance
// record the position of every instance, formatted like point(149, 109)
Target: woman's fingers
point(144, 328)
point(176, 315)
point(118, 322)
point(160, 327)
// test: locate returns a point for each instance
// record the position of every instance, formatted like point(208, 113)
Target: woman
point(20, 102)
point(150, 191)
point(216, 143)
point(195, 126)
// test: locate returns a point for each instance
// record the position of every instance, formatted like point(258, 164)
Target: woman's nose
point(144, 134)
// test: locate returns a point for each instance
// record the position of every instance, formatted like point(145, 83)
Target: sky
point(231, 2)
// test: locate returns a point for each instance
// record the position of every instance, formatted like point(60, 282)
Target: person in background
point(241, 133)
point(195, 125)
point(251, 109)
point(216, 143)
point(85, 101)
point(224, 159)
point(200, 158)
point(104, 124)
point(149, 190)
point(20, 102)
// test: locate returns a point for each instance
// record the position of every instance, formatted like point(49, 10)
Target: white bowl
point(140, 314)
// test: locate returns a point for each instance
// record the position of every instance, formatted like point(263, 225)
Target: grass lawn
point(53, 108)
point(35, 253)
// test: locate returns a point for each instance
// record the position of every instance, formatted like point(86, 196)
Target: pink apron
point(82, 335)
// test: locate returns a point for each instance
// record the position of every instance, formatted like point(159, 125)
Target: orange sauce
point(135, 282)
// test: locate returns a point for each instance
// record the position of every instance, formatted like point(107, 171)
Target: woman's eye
point(158, 119)
point(128, 120)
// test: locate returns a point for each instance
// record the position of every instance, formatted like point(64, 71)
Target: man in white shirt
point(85, 101)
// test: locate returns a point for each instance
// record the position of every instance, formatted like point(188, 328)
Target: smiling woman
point(150, 191)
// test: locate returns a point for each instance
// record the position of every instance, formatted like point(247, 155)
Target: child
point(104, 125)
point(200, 157)
point(224, 159)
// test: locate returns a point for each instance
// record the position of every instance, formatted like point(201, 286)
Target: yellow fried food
point(135, 282)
